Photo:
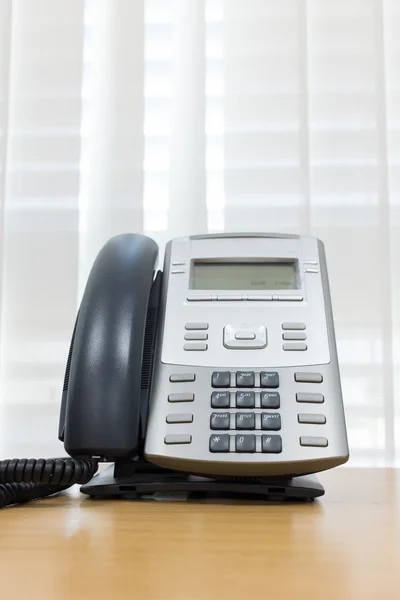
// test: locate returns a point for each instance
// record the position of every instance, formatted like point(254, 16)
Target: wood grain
point(345, 546)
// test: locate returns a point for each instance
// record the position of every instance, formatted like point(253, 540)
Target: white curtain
point(172, 117)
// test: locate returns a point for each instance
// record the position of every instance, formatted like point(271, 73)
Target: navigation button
point(219, 443)
point(245, 335)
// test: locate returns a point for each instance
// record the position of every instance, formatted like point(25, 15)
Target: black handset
point(102, 405)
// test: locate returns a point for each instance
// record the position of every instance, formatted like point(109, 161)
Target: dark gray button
point(245, 443)
point(183, 397)
point(308, 377)
point(221, 379)
point(220, 420)
point(220, 399)
point(307, 397)
point(245, 421)
point(271, 422)
point(269, 379)
point(294, 346)
point(245, 399)
point(290, 325)
point(195, 346)
point(182, 438)
point(271, 444)
point(270, 400)
point(180, 377)
point(196, 335)
point(294, 335)
point(196, 326)
point(313, 419)
point(321, 442)
point(180, 418)
point(219, 443)
point(245, 379)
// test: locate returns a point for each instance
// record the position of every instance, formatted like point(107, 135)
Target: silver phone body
point(311, 416)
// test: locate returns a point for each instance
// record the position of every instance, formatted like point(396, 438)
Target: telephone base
point(134, 480)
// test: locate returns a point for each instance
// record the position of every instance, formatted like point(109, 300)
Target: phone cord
point(22, 480)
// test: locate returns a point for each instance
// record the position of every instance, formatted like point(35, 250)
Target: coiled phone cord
point(25, 479)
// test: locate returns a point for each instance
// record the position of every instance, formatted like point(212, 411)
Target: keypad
point(220, 420)
point(220, 399)
point(269, 379)
point(219, 443)
point(270, 400)
point(245, 399)
point(245, 443)
point(271, 444)
point(245, 379)
point(271, 422)
point(245, 420)
point(221, 379)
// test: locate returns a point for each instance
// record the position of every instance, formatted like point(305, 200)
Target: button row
point(268, 379)
point(244, 297)
point(245, 399)
point(196, 333)
point(246, 443)
point(248, 420)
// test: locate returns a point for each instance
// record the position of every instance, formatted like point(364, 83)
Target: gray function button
point(269, 379)
point(229, 297)
point(183, 397)
point(308, 397)
point(294, 335)
point(219, 443)
point(180, 418)
point(181, 377)
point(311, 270)
point(195, 346)
point(245, 443)
point(220, 399)
point(311, 419)
point(245, 379)
point(260, 297)
point(290, 298)
point(178, 263)
point(308, 377)
point(309, 440)
point(294, 346)
point(245, 421)
point(255, 336)
point(220, 420)
point(191, 326)
point(271, 444)
point(271, 422)
point(221, 379)
point(182, 438)
point(270, 400)
point(177, 270)
point(199, 298)
point(196, 335)
point(245, 399)
point(293, 326)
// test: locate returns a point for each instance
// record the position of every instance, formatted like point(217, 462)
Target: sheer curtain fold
point(171, 117)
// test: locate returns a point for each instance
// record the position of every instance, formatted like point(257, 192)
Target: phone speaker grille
point(68, 367)
point(148, 347)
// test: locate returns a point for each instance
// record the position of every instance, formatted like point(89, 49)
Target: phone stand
point(140, 478)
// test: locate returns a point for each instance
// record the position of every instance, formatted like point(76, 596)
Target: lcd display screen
point(244, 276)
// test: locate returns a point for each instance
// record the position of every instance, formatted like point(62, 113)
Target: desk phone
point(219, 373)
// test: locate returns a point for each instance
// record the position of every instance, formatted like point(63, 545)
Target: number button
point(221, 379)
point(220, 420)
point(245, 443)
point(271, 422)
point(269, 379)
point(219, 443)
point(271, 444)
point(270, 400)
point(245, 421)
point(220, 399)
point(245, 379)
point(245, 399)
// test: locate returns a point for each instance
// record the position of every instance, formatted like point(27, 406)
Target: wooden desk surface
point(345, 546)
